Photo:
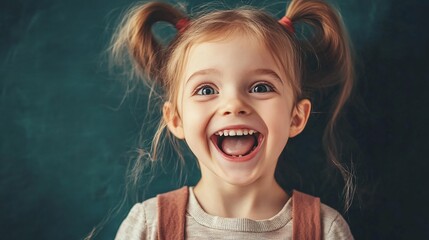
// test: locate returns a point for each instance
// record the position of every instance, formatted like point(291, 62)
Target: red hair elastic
point(182, 24)
point(287, 23)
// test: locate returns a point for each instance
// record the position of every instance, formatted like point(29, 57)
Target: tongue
point(237, 145)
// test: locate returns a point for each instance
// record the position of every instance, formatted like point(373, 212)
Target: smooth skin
point(229, 84)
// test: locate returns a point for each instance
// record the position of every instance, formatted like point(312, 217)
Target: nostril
point(241, 112)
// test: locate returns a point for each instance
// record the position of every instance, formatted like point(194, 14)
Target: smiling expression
point(233, 96)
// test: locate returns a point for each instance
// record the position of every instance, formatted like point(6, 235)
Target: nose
point(235, 106)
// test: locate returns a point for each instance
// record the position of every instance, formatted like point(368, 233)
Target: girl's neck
point(257, 201)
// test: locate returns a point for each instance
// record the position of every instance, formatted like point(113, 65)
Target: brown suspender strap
point(172, 214)
point(306, 217)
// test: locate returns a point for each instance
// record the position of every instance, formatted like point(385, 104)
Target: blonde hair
point(311, 63)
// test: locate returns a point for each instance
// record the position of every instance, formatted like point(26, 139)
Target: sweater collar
point(238, 224)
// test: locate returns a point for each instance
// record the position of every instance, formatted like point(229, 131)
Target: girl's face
point(235, 110)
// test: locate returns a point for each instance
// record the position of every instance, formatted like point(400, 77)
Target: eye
point(261, 88)
point(206, 90)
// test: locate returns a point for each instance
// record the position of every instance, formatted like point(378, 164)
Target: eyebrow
point(267, 71)
point(203, 72)
point(259, 71)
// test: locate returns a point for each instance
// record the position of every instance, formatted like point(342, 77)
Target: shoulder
point(333, 224)
point(140, 222)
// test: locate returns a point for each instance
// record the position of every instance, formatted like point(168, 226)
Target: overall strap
point(306, 217)
point(172, 214)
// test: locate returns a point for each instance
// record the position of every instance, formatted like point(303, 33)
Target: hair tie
point(182, 24)
point(287, 23)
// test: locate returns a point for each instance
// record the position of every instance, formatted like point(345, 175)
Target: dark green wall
point(66, 135)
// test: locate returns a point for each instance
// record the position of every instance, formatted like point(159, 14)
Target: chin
point(240, 179)
point(240, 174)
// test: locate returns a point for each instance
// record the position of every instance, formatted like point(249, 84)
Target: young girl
point(237, 85)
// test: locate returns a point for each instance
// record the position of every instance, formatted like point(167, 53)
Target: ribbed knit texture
point(238, 224)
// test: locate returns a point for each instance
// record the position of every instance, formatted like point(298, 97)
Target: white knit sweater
point(141, 223)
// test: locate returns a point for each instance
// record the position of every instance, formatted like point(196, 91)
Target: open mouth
point(237, 143)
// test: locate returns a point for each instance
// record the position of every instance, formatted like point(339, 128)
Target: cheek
point(195, 118)
point(281, 124)
point(195, 123)
point(277, 118)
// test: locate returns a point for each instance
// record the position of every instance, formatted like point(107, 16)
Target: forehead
point(230, 54)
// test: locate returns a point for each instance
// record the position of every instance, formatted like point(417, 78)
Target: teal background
point(67, 134)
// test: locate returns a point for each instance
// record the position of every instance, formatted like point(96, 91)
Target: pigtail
point(135, 43)
point(328, 64)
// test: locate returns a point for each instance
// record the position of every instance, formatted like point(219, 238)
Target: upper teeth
point(236, 132)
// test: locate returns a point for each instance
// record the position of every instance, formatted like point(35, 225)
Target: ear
point(174, 123)
point(300, 115)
